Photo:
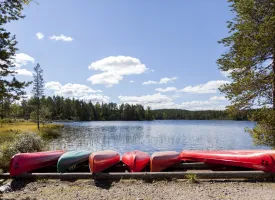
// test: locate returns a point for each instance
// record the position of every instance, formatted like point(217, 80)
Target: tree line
point(60, 108)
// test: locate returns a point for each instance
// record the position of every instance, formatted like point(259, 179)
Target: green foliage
point(25, 142)
point(192, 178)
point(189, 115)
point(264, 132)
point(7, 150)
point(10, 88)
point(250, 63)
point(58, 108)
point(50, 132)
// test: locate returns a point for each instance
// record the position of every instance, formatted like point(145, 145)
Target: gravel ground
point(134, 190)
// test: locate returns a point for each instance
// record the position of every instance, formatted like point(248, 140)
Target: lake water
point(152, 136)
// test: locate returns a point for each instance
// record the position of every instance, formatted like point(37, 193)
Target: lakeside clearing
point(9, 130)
point(134, 189)
point(22, 137)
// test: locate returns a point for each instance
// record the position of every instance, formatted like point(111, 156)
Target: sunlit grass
point(9, 130)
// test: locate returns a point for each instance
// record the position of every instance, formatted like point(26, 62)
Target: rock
point(139, 199)
point(5, 188)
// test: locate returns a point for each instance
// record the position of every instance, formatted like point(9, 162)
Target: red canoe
point(163, 160)
point(25, 162)
point(101, 160)
point(252, 160)
point(136, 160)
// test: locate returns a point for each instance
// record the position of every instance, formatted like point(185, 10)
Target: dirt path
point(133, 190)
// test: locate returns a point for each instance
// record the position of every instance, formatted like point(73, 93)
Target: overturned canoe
point(252, 160)
point(136, 161)
point(101, 160)
point(163, 160)
point(71, 160)
point(25, 162)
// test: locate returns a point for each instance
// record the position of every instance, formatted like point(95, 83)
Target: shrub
point(50, 133)
point(23, 143)
point(7, 150)
point(28, 142)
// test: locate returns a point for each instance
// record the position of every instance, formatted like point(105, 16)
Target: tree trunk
point(38, 112)
point(273, 81)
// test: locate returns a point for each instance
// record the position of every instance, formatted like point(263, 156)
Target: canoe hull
point(252, 160)
point(71, 160)
point(162, 160)
point(136, 161)
point(99, 161)
point(25, 162)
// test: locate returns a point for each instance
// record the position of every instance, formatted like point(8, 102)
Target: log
point(147, 175)
point(121, 168)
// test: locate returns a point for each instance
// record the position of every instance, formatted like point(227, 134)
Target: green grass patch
point(9, 130)
point(192, 178)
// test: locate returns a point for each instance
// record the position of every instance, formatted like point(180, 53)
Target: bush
point(7, 150)
point(50, 133)
point(23, 143)
point(28, 142)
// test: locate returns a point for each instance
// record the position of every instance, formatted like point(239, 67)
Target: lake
point(152, 136)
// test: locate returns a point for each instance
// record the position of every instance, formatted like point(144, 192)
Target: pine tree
point(251, 65)
point(38, 90)
point(10, 89)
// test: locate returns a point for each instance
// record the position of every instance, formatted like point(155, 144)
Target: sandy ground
point(140, 190)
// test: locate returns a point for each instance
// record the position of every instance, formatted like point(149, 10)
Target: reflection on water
point(155, 135)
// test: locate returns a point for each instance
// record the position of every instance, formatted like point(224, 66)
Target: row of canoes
point(137, 161)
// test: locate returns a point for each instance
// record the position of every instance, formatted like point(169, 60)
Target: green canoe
point(71, 160)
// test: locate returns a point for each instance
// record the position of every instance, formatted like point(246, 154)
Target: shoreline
point(134, 189)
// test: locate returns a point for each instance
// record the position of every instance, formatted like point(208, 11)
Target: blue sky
point(160, 54)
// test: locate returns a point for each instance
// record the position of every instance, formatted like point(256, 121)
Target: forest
point(60, 108)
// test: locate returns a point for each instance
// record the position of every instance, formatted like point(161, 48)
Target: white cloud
point(149, 82)
point(161, 81)
point(61, 38)
point(168, 89)
point(207, 88)
point(218, 98)
point(114, 68)
point(146, 99)
point(201, 105)
point(226, 73)
point(155, 101)
point(131, 81)
point(22, 59)
point(2, 62)
point(167, 80)
point(96, 98)
point(161, 101)
point(23, 72)
point(73, 90)
point(53, 85)
point(39, 35)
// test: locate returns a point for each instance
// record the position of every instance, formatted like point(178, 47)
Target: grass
point(24, 137)
point(192, 178)
point(9, 130)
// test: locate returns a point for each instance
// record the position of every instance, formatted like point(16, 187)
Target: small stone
point(5, 188)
